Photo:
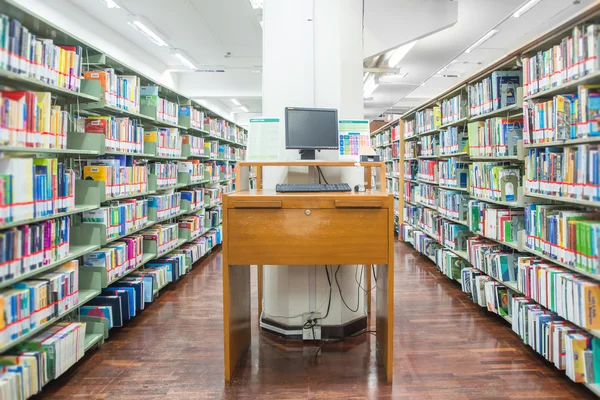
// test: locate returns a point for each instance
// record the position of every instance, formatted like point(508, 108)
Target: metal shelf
point(32, 150)
point(23, 82)
point(74, 252)
point(569, 87)
point(585, 203)
point(461, 121)
point(76, 210)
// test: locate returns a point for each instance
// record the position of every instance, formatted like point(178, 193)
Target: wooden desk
point(265, 227)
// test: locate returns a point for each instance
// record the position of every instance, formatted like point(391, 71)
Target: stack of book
point(34, 188)
point(574, 57)
point(494, 92)
point(428, 119)
point(121, 134)
point(566, 235)
point(46, 356)
point(120, 218)
point(454, 173)
point(163, 236)
point(118, 257)
point(489, 180)
point(428, 170)
point(570, 172)
point(495, 137)
point(31, 303)
point(165, 172)
point(38, 58)
point(452, 140)
point(164, 205)
point(120, 174)
point(122, 91)
point(33, 246)
point(196, 116)
point(30, 120)
point(196, 144)
point(454, 109)
point(168, 142)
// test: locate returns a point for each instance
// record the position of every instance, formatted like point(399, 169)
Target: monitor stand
point(307, 154)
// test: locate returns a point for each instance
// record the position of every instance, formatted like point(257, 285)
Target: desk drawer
point(289, 236)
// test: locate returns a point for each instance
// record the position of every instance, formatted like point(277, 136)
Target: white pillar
point(312, 57)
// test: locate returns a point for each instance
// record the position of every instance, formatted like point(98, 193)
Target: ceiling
point(475, 18)
point(225, 35)
point(222, 35)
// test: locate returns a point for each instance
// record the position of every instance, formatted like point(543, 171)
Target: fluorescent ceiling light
point(399, 53)
point(139, 26)
point(184, 60)
point(111, 4)
point(526, 7)
point(237, 103)
point(256, 3)
point(485, 37)
point(244, 108)
point(370, 85)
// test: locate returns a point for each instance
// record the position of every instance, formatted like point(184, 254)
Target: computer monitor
point(310, 129)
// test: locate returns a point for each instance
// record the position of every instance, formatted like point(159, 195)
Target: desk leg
point(385, 318)
point(368, 287)
point(236, 315)
point(259, 284)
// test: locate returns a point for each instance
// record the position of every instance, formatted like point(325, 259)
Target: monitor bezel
point(288, 147)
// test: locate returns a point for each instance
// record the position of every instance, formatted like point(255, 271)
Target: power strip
point(311, 324)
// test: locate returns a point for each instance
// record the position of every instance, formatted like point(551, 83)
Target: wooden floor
point(445, 348)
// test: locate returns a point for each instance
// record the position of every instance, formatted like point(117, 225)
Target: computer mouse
point(359, 188)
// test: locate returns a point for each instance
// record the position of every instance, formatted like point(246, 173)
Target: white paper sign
point(263, 139)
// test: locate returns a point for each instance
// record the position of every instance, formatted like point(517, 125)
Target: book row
point(452, 140)
point(121, 218)
point(30, 303)
point(26, 369)
point(428, 119)
point(570, 116)
point(29, 247)
point(494, 92)
point(453, 109)
point(495, 181)
point(37, 58)
point(569, 236)
point(569, 172)
point(574, 57)
point(495, 137)
point(29, 119)
point(33, 188)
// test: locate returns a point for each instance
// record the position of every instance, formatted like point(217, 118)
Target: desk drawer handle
point(358, 204)
point(257, 204)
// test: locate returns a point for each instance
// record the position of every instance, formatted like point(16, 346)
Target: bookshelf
point(387, 144)
point(512, 185)
point(173, 150)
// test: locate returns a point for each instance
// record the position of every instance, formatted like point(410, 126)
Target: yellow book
point(591, 297)
point(100, 173)
point(150, 136)
point(579, 343)
point(437, 116)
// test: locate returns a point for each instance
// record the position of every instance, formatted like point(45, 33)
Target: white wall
point(312, 57)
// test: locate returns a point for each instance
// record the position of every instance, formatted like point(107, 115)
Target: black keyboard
point(313, 187)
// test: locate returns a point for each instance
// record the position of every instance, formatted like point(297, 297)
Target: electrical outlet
point(311, 324)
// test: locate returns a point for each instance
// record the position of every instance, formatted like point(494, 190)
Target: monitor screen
point(311, 128)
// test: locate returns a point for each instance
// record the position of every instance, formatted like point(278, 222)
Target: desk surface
point(264, 193)
point(310, 163)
